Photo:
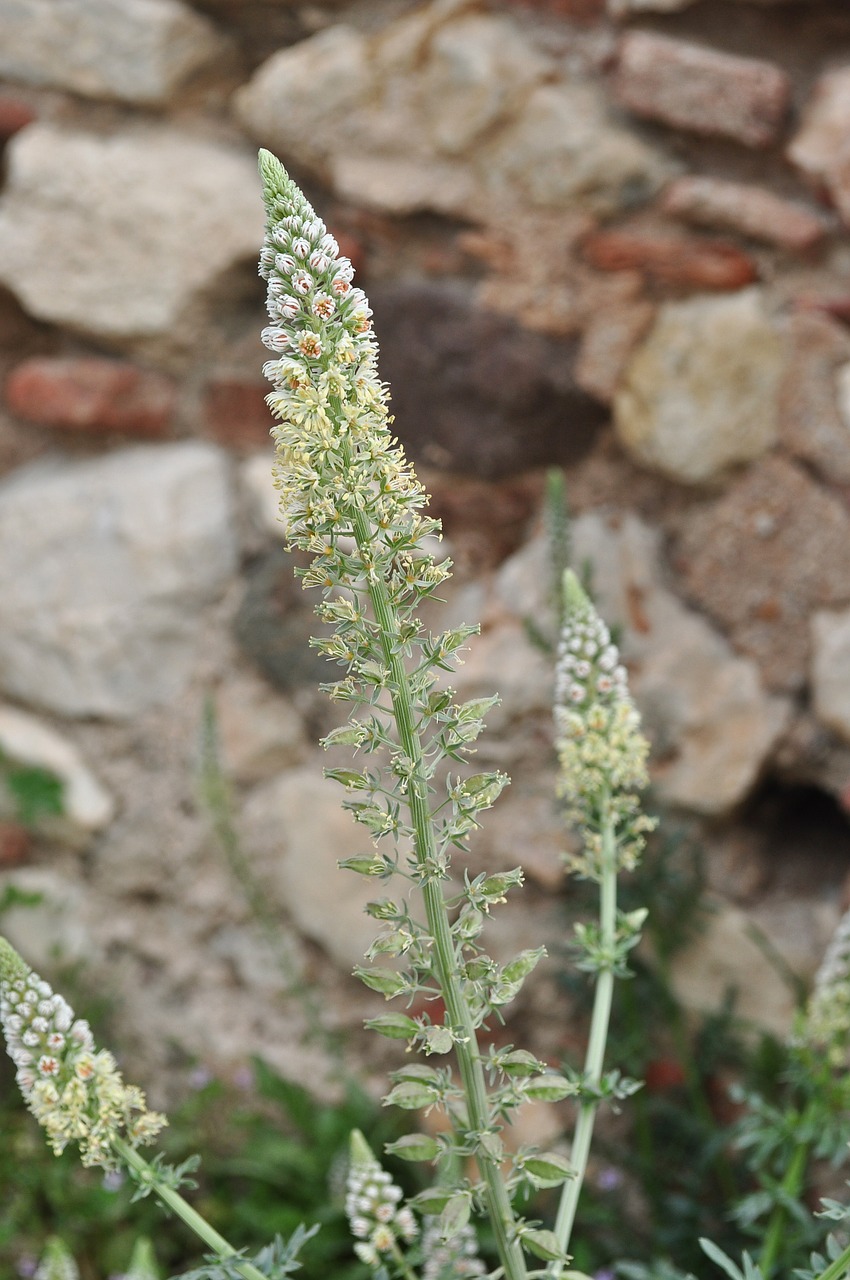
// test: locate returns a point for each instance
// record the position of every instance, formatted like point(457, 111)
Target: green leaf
point(721, 1259)
point(550, 1087)
point(455, 1214)
point(410, 1096)
point(395, 1026)
point(414, 1146)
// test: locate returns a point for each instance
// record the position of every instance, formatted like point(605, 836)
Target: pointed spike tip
point(360, 1151)
point(12, 966)
point(575, 596)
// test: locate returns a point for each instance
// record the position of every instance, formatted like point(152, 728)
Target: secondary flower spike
point(601, 749)
point(74, 1090)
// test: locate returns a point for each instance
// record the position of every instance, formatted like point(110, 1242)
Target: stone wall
point(609, 238)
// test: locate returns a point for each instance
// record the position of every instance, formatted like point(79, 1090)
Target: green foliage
point(31, 792)
point(273, 1158)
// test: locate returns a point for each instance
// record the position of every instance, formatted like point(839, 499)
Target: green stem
point(595, 1056)
point(839, 1269)
point(445, 960)
point(174, 1201)
point(791, 1186)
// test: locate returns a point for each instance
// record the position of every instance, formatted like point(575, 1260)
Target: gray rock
point(106, 567)
point(831, 670)
point(449, 111)
point(136, 51)
point(148, 221)
point(700, 395)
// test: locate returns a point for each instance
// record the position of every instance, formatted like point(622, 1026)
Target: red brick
point(738, 206)
point(670, 257)
point(236, 413)
point(92, 394)
point(15, 844)
point(15, 114)
point(692, 87)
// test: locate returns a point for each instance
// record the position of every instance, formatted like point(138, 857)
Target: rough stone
point(821, 147)
point(448, 111)
point(190, 209)
point(90, 394)
point(830, 665)
point(55, 928)
point(260, 732)
point(137, 51)
point(473, 392)
point(762, 558)
point(607, 345)
point(261, 500)
point(106, 567)
point(689, 86)
point(297, 832)
point(700, 395)
point(725, 955)
point(812, 426)
point(739, 206)
point(666, 256)
point(86, 805)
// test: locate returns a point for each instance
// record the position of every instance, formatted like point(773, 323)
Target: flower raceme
point(378, 1222)
point(601, 750)
point(74, 1090)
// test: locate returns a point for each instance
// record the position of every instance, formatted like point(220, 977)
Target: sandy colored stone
point(738, 206)
point(699, 396)
point(762, 558)
point(821, 147)
point(148, 220)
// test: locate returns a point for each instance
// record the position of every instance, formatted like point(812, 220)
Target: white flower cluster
point(601, 750)
point(57, 1262)
point(452, 1259)
point(74, 1091)
point(826, 1022)
point(372, 1206)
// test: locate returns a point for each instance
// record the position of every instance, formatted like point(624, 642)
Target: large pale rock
point(105, 569)
point(137, 51)
point(711, 725)
point(700, 395)
point(831, 670)
point(726, 956)
point(148, 221)
point(26, 740)
point(450, 111)
point(297, 832)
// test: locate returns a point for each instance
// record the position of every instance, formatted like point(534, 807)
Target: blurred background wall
point(607, 238)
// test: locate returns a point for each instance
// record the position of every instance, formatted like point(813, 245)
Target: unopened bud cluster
point(378, 1220)
point(601, 750)
point(74, 1090)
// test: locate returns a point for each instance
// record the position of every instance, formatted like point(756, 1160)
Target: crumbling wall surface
point(608, 238)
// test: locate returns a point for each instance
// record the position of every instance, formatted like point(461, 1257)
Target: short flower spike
point(74, 1090)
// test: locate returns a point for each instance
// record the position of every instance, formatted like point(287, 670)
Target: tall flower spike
point(335, 450)
point(372, 1202)
point(74, 1091)
point(601, 750)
